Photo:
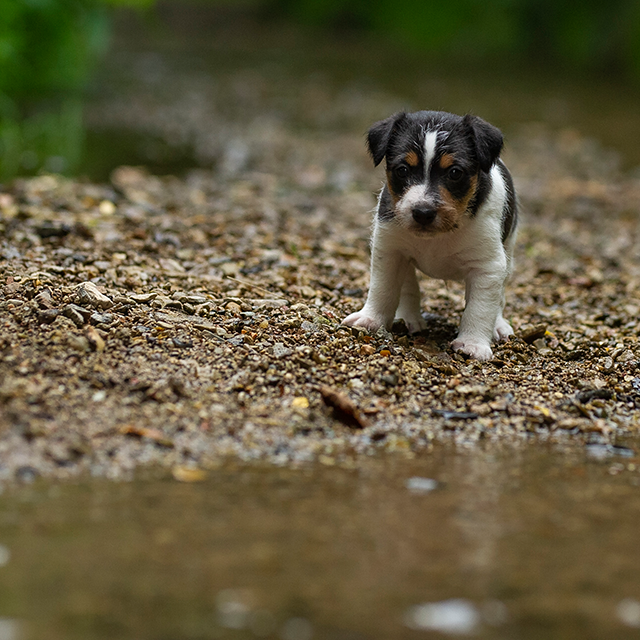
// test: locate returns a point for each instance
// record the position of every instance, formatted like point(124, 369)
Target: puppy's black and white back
point(448, 207)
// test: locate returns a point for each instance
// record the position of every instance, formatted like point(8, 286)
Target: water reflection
point(530, 543)
point(10, 629)
point(628, 611)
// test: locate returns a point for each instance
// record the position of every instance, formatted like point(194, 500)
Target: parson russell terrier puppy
point(448, 208)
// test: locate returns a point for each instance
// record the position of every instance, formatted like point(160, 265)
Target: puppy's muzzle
point(423, 216)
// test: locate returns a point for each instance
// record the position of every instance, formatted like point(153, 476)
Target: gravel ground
point(182, 321)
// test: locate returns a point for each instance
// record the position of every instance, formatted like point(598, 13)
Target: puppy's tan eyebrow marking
point(446, 161)
point(412, 159)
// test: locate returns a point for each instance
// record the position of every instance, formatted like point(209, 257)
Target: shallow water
point(525, 543)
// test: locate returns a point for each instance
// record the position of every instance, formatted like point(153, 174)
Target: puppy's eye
point(402, 171)
point(455, 174)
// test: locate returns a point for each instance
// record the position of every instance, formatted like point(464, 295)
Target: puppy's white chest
point(437, 257)
point(438, 262)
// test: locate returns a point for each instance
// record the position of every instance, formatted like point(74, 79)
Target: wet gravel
point(182, 321)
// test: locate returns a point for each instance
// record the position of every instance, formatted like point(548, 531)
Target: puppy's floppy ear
point(487, 140)
point(379, 135)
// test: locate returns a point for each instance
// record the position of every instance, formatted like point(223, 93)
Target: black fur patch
point(510, 211)
point(380, 134)
point(487, 141)
point(385, 209)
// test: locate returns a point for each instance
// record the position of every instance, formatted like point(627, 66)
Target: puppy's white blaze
point(430, 142)
point(414, 196)
point(417, 195)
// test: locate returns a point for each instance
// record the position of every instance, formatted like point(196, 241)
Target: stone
point(76, 314)
point(88, 294)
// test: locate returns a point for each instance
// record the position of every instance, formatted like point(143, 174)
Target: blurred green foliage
point(47, 51)
point(581, 34)
point(49, 47)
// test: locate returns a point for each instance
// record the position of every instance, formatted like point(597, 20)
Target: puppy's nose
point(424, 217)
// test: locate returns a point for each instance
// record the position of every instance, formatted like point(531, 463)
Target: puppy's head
point(435, 162)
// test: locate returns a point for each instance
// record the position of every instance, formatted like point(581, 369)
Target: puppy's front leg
point(388, 271)
point(484, 295)
point(409, 306)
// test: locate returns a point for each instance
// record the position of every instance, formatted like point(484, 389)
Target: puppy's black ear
point(379, 135)
point(487, 140)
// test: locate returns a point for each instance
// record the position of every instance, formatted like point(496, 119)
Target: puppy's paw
point(414, 322)
point(473, 347)
point(502, 330)
point(416, 325)
point(364, 319)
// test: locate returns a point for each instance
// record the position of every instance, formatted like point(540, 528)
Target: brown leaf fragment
point(96, 341)
point(531, 334)
point(344, 408)
point(188, 474)
point(144, 432)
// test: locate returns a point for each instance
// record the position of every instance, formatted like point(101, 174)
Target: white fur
point(473, 253)
point(430, 142)
point(414, 196)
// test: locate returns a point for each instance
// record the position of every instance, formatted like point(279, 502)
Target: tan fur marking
point(464, 203)
point(449, 214)
point(452, 211)
point(446, 160)
point(394, 196)
point(412, 159)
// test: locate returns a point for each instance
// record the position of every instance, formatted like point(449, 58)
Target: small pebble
point(143, 298)
point(45, 299)
point(5, 556)
point(280, 351)
point(102, 318)
point(454, 617)
point(78, 343)
point(88, 294)
point(48, 316)
point(195, 299)
point(628, 611)
point(421, 485)
point(75, 314)
point(99, 396)
point(390, 379)
point(26, 474)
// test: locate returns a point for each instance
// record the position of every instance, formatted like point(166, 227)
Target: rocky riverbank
point(157, 320)
point(180, 321)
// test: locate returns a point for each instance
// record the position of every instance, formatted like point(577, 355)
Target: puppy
point(448, 207)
